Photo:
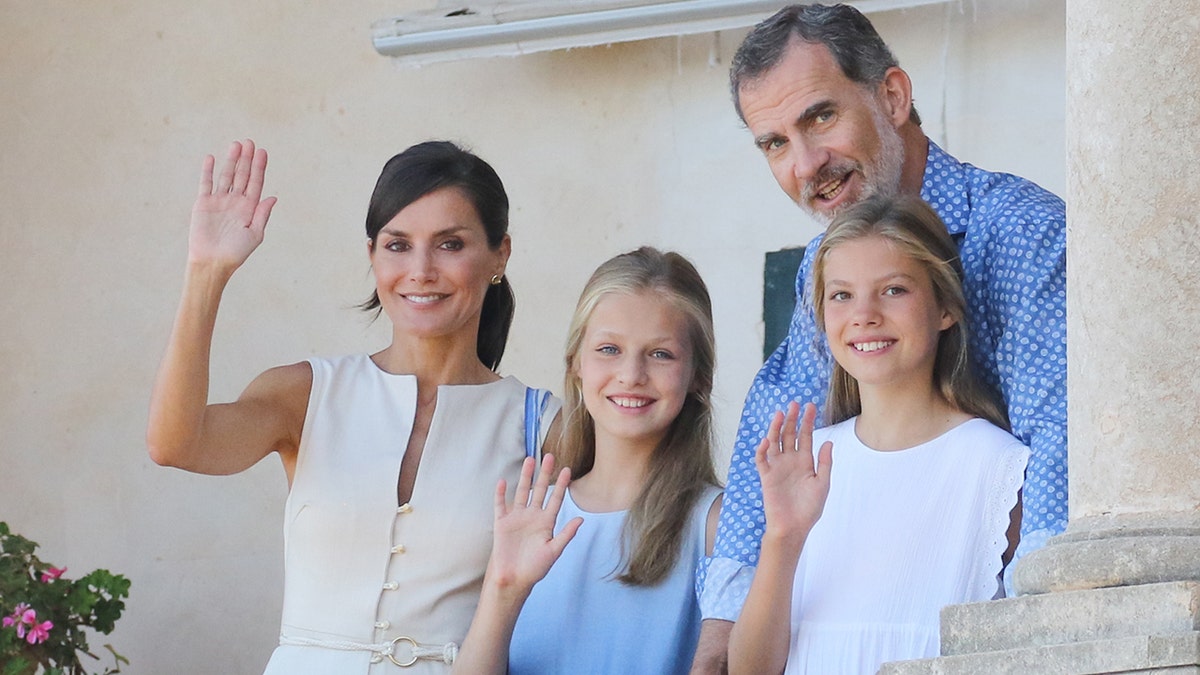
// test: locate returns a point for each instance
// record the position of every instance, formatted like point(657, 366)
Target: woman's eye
point(607, 349)
point(453, 245)
point(895, 290)
point(396, 245)
point(662, 354)
point(838, 296)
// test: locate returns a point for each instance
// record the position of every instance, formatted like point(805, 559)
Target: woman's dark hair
point(433, 165)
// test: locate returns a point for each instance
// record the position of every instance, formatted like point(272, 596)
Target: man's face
point(829, 141)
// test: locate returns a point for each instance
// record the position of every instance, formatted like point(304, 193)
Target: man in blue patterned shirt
point(832, 112)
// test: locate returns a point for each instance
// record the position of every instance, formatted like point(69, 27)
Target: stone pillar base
point(1103, 551)
point(1152, 628)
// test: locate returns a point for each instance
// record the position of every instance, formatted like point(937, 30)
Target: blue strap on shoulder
point(535, 407)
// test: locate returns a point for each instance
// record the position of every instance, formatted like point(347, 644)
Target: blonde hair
point(682, 465)
point(910, 225)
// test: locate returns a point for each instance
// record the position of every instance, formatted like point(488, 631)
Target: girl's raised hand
point(524, 544)
point(229, 218)
point(794, 488)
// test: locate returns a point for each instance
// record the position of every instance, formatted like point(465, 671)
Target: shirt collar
point(945, 182)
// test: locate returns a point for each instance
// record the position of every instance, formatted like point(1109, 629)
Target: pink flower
point(24, 616)
point(38, 632)
point(52, 574)
point(18, 617)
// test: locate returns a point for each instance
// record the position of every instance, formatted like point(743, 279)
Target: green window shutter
point(779, 295)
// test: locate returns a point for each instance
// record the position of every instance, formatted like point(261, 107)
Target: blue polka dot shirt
point(1011, 236)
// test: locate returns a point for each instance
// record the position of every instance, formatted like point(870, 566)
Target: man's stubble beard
point(881, 176)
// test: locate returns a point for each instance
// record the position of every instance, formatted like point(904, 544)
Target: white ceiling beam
point(513, 28)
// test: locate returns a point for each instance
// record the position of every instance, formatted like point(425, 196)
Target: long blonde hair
point(682, 465)
point(909, 224)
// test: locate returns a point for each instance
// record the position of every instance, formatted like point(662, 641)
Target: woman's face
point(433, 266)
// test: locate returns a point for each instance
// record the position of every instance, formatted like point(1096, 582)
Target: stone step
point(1145, 655)
point(1161, 609)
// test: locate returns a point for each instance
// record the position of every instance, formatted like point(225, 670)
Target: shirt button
point(399, 548)
point(383, 625)
point(404, 508)
point(391, 586)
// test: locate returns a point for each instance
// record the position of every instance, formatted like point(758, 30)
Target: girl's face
point(881, 317)
point(635, 367)
point(432, 266)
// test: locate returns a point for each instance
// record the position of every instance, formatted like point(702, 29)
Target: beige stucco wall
point(106, 109)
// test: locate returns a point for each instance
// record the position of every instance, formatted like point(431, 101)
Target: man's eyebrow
point(805, 119)
point(813, 111)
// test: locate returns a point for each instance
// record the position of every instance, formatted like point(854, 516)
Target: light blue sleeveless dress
point(579, 619)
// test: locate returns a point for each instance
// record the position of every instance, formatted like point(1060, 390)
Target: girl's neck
point(900, 419)
point(616, 478)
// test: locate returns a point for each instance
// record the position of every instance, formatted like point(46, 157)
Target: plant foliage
point(46, 615)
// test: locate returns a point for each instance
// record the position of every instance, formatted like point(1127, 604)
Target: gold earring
point(495, 279)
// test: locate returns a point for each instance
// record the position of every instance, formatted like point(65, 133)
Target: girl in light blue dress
point(596, 574)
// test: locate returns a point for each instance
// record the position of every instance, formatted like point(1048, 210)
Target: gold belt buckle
point(413, 646)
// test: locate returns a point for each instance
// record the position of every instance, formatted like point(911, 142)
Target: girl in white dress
point(641, 510)
point(919, 510)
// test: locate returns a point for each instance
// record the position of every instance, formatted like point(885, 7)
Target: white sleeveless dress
point(362, 571)
point(903, 534)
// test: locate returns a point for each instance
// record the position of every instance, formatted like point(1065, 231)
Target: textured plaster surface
point(1133, 111)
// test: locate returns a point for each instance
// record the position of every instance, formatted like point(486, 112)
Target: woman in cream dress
point(390, 457)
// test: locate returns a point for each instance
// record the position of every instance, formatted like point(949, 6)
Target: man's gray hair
point(851, 39)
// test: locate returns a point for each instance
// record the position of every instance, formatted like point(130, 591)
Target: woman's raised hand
point(229, 218)
point(524, 544)
point(794, 486)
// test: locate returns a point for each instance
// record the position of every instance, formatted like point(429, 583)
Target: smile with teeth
point(833, 188)
point(424, 298)
point(873, 346)
point(630, 402)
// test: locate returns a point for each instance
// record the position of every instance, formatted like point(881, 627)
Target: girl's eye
point(662, 354)
point(838, 296)
point(607, 349)
point(895, 290)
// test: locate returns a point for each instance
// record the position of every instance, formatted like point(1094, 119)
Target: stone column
point(1119, 591)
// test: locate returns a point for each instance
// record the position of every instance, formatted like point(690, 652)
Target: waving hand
point(794, 486)
point(794, 489)
point(524, 544)
point(229, 218)
point(524, 547)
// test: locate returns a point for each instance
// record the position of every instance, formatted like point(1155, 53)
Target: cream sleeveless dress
point(369, 581)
